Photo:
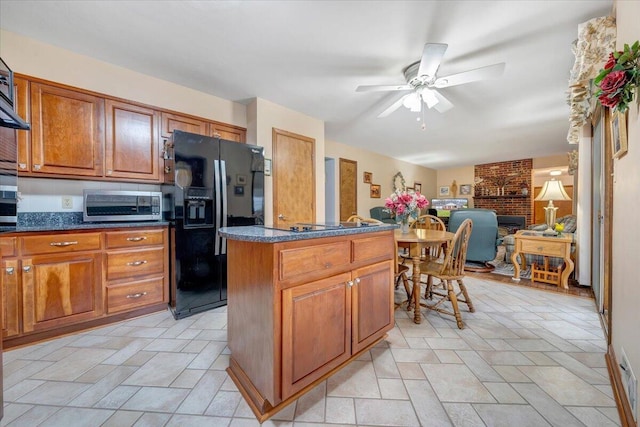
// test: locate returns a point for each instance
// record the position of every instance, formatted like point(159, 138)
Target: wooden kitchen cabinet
point(136, 264)
point(131, 148)
point(22, 106)
point(67, 131)
point(230, 133)
point(308, 307)
point(10, 298)
point(171, 122)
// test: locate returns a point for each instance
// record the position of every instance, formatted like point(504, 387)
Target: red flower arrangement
point(405, 204)
point(620, 78)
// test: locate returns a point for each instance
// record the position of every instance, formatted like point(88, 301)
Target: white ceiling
point(310, 56)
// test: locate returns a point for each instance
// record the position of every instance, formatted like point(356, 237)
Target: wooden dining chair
point(358, 218)
point(429, 222)
point(450, 269)
point(400, 275)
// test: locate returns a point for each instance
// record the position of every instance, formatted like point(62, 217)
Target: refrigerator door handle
point(223, 191)
point(217, 191)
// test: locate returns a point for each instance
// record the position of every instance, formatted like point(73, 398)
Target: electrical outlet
point(67, 202)
point(630, 383)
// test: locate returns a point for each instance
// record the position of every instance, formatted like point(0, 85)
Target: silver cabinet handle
point(138, 295)
point(22, 165)
point(137, 263)
point(26, 268)
point(37, 167)
point(357, 280)
point(282, 216)
point(350, 283)
point(63, 244)
point(136, 239)
point(9, 270)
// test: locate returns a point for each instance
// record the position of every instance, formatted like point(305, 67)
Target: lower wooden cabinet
point(307, 307)
point(57, 282)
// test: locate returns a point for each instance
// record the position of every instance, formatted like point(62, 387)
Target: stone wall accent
point(499, 186)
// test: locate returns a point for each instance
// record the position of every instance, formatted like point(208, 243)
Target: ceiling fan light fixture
point(412, 102)
point(428, 97)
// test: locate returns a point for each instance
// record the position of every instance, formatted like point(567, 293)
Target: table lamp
point(551, 190)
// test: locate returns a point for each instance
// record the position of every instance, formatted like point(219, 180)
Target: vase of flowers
point(619, 80)
point(405, 205)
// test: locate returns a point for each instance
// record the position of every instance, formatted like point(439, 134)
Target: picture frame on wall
point(618, 135)
point(374, 191)
point(465, 189)
point(367, 177)
point(417, 187)
point(443, 190)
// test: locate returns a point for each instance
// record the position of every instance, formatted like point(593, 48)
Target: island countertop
point(263, 234)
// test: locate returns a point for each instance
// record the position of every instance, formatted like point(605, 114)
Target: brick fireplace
point(499, 186)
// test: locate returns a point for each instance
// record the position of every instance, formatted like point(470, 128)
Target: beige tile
point(375, 412)
point(480, 368)
point(149, 419)
point(311, 406)
point(224, 404)
point(340, 410)
point(156, 399)
point(357, 379)
point(504, 393)
point(426, 404)
point(414, 355)
point(511, 374)
point(384, 364)
point(447, 343)
point(117, 397)
point(504, 358)
point(160, 370)
point(53, 393)
point(188, 378)
point(27, 415)
point(547, 406)
point(202, 394)
point(180, 420)
point(510, 415)
point(392, 389)
point(122, 419)
point(456, 383)
point(410, 371)
point(463, 414)
point(447, 356)
point(97, 391)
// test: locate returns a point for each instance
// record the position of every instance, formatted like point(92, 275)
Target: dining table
point(417, 240)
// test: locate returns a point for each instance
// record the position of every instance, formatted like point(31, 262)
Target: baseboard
point(619, 395)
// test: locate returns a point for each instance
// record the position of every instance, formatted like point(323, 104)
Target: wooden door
point(67, 131)
point(294, 188)
point(21, 105)
point(230, 133)
point(372, 302)
point(307, 356)
point(348, 188)
point(131, 149)
point(10, 300)
point(60, 289)
point(171, 122)
point(565, 207)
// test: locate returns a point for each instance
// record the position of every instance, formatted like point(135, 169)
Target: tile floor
point(526, 358)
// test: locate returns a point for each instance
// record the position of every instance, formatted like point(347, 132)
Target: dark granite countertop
point(71, 221)
point(261, 234)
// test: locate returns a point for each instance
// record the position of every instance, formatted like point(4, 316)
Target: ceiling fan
point(422, 81)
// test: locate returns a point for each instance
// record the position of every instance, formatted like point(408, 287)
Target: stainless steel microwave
point(118, 205)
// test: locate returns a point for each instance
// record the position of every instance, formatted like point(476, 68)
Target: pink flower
point(609, 101)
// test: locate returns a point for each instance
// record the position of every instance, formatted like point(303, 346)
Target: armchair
point(484, 240)
point(381, 214)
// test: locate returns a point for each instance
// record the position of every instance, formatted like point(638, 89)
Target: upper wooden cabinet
point(131, 149)
point(67, 131)
point(171, 122)
point(230, 133)
point(21, 104)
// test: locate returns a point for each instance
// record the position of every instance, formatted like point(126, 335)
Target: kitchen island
point(301, 305)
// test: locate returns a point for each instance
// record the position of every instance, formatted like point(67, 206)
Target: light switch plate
point(67, 202)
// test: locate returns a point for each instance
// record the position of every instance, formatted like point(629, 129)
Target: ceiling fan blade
point(393, 107)
point(482, 73)
point(443, 104)
point(431, 58)
point(382, 88)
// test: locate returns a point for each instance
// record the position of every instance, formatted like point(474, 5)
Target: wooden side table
point(530, 242)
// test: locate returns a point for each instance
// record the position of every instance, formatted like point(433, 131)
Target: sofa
point(381, 214)
point(569, 222)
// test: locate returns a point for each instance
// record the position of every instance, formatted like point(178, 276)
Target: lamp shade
point(553, 190)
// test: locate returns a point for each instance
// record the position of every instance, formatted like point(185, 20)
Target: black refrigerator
point(216, 183)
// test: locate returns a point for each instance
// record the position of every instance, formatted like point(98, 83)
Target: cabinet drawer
point(543, 248)
point(372, 247)
point(58, 243)
point(125, 239)
point(300, 261)
point(134, 263)
point(7, 246)
point(134, 294)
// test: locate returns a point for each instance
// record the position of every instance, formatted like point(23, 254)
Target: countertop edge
point(260, 234)
point(87, 226)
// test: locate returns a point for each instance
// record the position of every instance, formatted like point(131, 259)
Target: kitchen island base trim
point(262, 409)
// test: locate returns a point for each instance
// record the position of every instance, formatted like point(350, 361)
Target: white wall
point(462, 176)
point(383, 169)
point(264, 116)
point(625, 314)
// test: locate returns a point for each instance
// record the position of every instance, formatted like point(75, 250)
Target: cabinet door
point(10, 300)
point(67, 131)
point(131, 149)
point(60, 289)
point(372, 312)
point(21, 104)
point(171, 122)
point(316, 330)
point(230, 133)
